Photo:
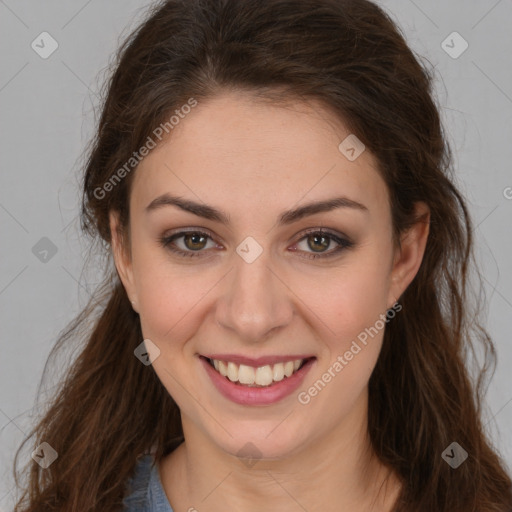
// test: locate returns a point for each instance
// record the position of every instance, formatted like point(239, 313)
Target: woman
point(287, 322)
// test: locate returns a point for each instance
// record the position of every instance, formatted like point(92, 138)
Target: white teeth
point(232, 372)
point(262, 376)
point(245, 374)
point(223, 368)
point(288, 368)
point(278, 372)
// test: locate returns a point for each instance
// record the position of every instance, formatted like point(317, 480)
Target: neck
point(337, 472)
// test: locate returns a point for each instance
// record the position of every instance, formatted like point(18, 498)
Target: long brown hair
point(350, 55)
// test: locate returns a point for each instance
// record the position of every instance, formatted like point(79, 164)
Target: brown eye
point(188, 243)
point(318, 243)
point(194, 241)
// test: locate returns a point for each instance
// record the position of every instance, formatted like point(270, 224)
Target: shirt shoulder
point(144, 491)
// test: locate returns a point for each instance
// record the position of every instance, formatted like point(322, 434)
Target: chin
point(257, 444)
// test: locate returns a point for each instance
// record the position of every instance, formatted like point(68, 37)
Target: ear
point(122, 258)
point(409, 255)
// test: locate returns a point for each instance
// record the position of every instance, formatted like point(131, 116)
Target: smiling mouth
point(262, 376)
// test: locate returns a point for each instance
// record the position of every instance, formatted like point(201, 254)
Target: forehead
point(235, 149)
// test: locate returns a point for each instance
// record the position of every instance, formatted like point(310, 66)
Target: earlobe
point(121, 259)
point(410, 254)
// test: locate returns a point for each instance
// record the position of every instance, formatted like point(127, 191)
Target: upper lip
point(258, 361)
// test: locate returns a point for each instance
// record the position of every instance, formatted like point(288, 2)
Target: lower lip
point(245, 395)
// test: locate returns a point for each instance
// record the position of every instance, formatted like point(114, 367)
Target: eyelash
point(343, 243)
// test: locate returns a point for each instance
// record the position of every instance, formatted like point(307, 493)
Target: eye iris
point(197, 239)
point(323, 245)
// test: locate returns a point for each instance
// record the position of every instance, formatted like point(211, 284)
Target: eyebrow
point(287, 217)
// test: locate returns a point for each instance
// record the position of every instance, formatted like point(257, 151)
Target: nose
point(255, 300)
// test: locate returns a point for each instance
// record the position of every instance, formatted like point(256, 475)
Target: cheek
point(171, 299)
point(353, 308)
point(346, 299)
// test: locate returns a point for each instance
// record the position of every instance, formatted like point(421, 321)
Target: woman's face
point(255, 282)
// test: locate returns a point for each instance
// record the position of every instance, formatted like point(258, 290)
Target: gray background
point(48, 116)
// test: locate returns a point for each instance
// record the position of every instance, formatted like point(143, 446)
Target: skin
point(254, 160)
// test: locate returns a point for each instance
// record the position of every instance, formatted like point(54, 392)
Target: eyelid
point(325, 231)
point(192, 229)
point(344, 242)
point(166, 240)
